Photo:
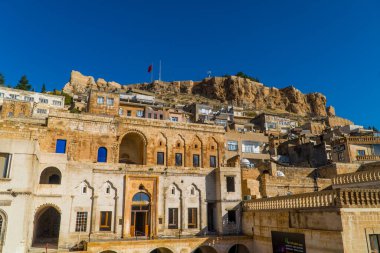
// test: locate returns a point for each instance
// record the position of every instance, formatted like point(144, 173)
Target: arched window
point(141, 197)
point(102, 155)
point(50, 175)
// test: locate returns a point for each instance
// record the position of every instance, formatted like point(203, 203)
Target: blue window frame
point(102, 155)
point(60, 146)
point(195, 160)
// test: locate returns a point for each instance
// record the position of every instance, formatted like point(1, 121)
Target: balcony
point(363, 140)
point(368, 158)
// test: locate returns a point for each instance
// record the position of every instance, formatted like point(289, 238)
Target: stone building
point(362, 148)
point(343, 219)
point(20, 103)
point(107, 179)
point(274, 123)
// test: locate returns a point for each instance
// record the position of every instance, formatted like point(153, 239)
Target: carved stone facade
point(80, 177)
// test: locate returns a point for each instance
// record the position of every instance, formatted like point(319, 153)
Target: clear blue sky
point(327, 46)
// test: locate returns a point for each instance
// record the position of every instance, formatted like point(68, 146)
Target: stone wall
point(322, 230)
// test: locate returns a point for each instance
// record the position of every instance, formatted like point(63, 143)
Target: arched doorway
point(205, 249)
point(140, 214)
point(46, 227)
point(161, 250)
point(108, 251)
point(50, 175)
point(238, 248)
point(132, 149)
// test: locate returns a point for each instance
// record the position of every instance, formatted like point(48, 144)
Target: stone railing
point(364, 140)
point(357, 177)
point(368, 158)
point(339, 198)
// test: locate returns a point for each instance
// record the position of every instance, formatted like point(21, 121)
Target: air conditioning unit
point(247, 197)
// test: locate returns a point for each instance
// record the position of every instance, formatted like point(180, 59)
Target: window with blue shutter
point(60, 147)
point(102, 155)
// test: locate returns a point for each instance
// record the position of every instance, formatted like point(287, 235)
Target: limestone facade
point(81, 177)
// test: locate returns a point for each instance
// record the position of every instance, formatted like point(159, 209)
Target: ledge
point(339, 198)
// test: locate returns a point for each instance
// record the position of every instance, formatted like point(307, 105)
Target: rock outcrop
point(236, 90)
point(246, 93)
point(82, 84)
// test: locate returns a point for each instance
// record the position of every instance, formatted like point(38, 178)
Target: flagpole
point(151, 74)
point(159, 73)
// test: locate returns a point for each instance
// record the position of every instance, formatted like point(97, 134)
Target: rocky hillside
point(234, 90)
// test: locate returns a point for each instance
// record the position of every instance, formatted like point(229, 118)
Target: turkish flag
point(150, 68)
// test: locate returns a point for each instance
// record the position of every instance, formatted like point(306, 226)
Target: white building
point(41, 103)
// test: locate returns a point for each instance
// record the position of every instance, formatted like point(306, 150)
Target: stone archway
point(238, 248)
point(161, 250)
point(50, 175)
point(46, 227)
point(133, 149)
point(205, 249)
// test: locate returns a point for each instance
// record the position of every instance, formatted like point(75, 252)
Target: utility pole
point(159, 72)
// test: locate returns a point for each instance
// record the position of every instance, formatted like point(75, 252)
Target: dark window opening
point(5, 161)
point(212, 161)
point(231, 216)
point(195, 160)
point(374, 241)
point(178, 159)
point(230, 184)
point(192, 218)
point(173, 218)
point(105, 221)
point(160, 158)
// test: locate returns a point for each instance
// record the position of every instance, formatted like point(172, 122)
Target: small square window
point(100, 100)
point(129, 112)
point(110, 101)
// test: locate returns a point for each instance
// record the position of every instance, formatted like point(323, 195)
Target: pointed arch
point(132, 148)
point(47, 220)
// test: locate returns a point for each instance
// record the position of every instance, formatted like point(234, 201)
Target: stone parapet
point(368, 158)
point(357, 177)
point(339, 198)
point(363, 140)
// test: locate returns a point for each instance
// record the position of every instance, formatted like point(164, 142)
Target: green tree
point(243, 75)
point(23, 84)
point(43, 89)
point(2, 80)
